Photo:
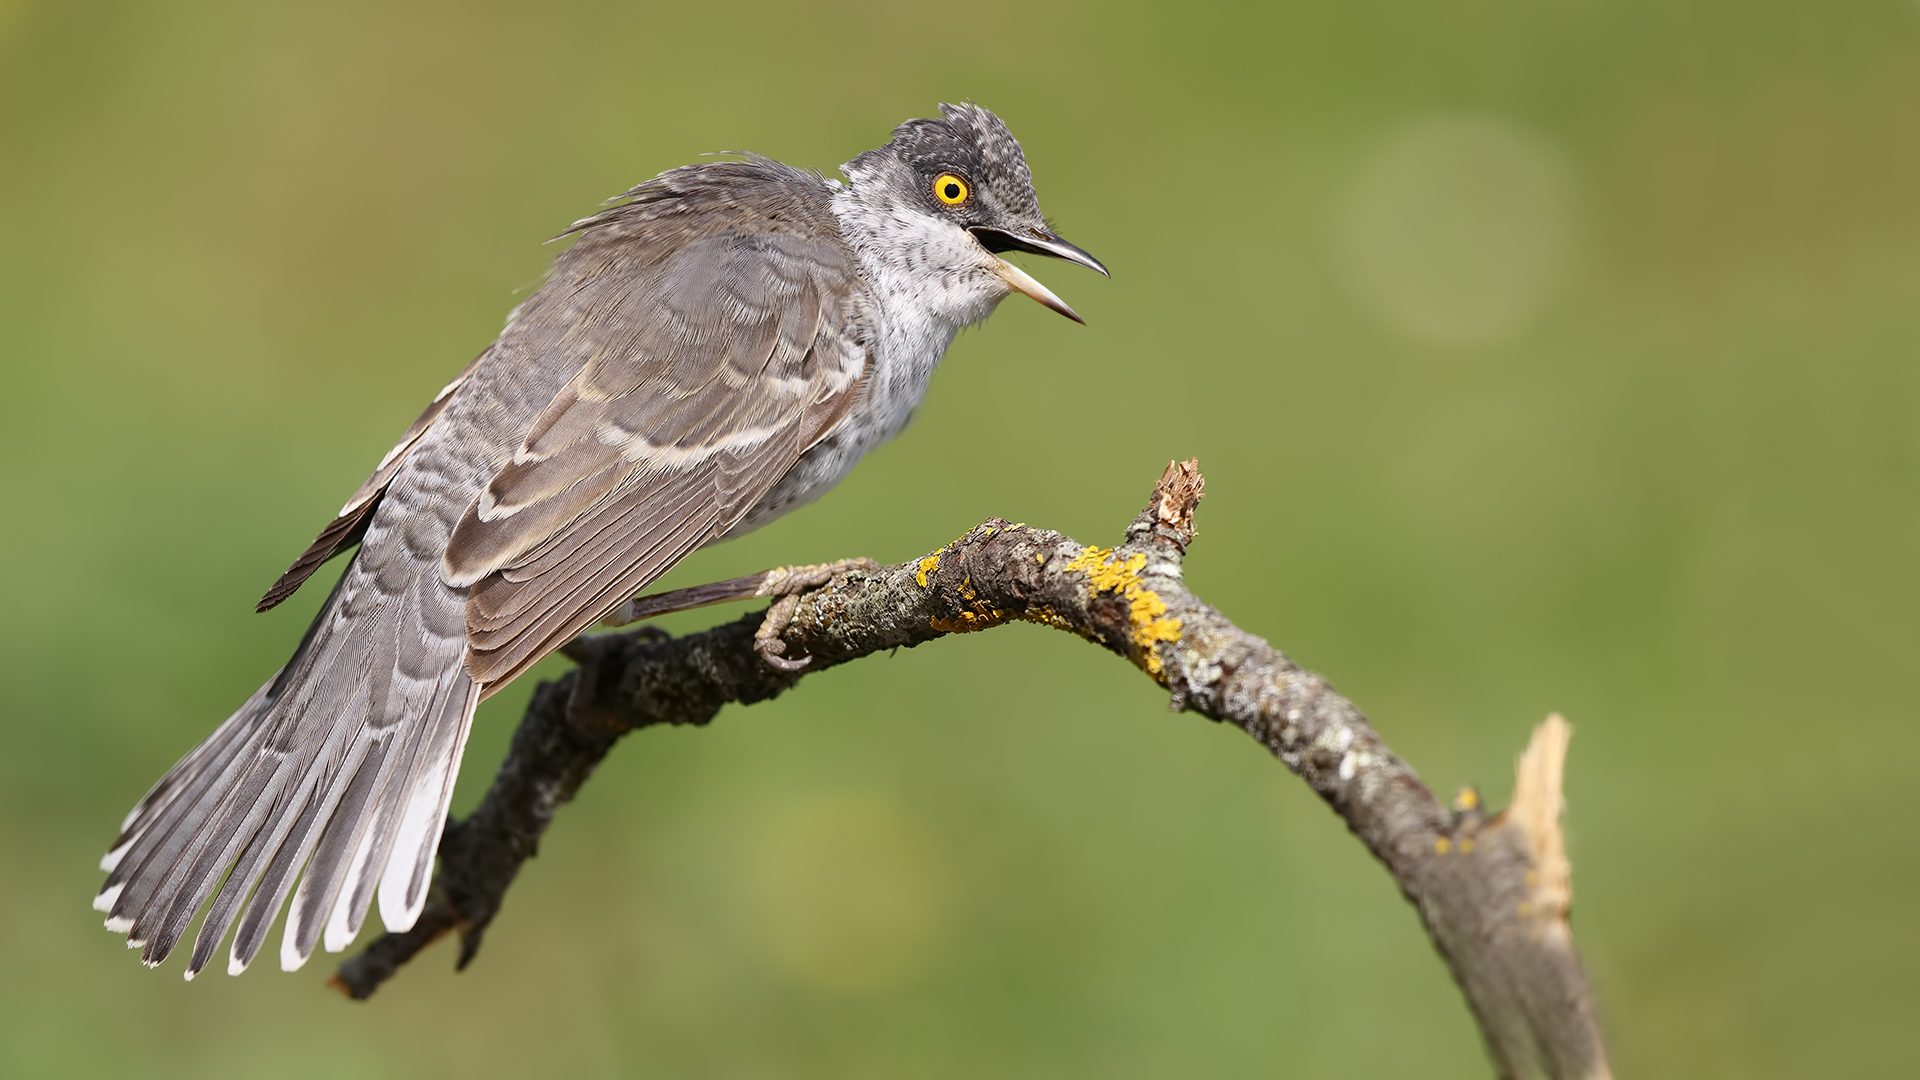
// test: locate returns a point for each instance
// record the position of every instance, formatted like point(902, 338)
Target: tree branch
point(1494, 892)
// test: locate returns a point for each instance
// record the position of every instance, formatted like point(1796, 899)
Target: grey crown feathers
point(972, 142)
point(717, 349)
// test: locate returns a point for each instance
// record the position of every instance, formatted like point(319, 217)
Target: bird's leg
point(786, 583)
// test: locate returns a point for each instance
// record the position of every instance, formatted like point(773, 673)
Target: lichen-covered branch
point(1493, 891)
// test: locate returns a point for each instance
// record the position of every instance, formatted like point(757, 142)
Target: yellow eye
point(950, 189)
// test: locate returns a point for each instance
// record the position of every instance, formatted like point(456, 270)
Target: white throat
point(925, 279)
point(920, 267)
point(928, 278)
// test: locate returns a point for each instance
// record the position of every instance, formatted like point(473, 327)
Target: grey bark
point(1493, 891)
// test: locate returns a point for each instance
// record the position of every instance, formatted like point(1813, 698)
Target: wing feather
point(350, 524)
point(718, 339)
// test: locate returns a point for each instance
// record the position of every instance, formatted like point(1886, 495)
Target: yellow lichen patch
point(932, 562)
point(969, 620)
point(1046, 616)
point(976, 615)
point(1442, 845)
point(1093, 560)
point(1146, 612)
point(1466, 846)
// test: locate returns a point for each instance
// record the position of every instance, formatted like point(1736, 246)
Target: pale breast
point(922, 281)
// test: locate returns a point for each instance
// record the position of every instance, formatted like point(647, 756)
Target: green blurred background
point(1541, 356)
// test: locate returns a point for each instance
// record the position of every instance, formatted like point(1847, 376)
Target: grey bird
point(718, 347)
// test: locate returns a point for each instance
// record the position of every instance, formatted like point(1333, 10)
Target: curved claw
point(784, 664)
point(766, 640)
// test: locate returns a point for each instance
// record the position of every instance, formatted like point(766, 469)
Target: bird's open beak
point(1039, 242)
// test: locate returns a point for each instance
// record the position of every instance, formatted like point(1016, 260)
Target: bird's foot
point(788, 583)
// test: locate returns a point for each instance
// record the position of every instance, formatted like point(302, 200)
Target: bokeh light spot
point(1458, 230)
point(847, 891)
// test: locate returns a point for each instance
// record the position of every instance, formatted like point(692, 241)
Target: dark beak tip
point(1040, 242)
point(1073, 253)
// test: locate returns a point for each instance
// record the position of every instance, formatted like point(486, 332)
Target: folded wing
point(715, 322)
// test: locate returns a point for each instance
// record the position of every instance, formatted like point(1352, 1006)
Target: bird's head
point(963, 178)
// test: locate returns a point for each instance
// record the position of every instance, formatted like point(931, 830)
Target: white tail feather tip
point(291, 958)
point(399, 919)
point(338, 937)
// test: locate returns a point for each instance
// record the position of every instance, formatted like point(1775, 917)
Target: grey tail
point(335, 774)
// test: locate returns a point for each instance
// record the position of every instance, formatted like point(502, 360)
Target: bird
point(718, 346)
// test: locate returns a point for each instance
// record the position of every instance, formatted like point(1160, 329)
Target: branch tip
point(1170, 511)
point(1538, 803)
